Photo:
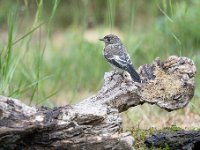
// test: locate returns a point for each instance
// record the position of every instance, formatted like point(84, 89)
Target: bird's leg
point(117, 71)
point(114, 73)
point(120, 72)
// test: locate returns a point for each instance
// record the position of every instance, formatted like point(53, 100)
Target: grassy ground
point(50, 55)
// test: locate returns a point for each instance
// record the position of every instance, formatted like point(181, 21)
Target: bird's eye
point(108, 39)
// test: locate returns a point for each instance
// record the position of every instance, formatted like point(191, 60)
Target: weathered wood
point(94, 123)
point(179, 140)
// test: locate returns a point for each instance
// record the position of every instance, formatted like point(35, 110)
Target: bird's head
point(111, 39)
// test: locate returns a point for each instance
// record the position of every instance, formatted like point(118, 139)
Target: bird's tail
point(133, 73)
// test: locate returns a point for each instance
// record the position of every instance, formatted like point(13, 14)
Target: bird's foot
point(113, 74)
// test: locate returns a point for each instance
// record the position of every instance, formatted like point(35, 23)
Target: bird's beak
point(101, 39)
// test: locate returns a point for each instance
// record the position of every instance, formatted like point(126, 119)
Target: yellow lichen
point(164, 86)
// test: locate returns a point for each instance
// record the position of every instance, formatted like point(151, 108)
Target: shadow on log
point(94, 123)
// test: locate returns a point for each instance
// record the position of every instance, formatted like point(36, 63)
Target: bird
point(116, 54)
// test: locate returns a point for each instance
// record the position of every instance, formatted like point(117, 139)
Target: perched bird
point(116, 54)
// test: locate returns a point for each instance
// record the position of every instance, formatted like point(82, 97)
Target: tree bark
point(94, 123)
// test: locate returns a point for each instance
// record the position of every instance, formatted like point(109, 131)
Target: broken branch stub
point(94, 123)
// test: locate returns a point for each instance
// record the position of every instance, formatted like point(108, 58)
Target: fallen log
point(94, 123)
point(179, 140)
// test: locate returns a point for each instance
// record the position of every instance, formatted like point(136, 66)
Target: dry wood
point(94, 123)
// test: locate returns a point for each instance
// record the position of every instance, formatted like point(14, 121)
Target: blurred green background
point(50, 53)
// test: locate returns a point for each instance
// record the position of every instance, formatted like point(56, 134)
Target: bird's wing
point(123, 62)
point(120, 60)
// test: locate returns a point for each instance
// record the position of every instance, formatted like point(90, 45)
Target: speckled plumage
point(116, 54)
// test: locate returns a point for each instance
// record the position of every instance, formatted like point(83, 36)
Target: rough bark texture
point(180, 140)
point(94, 123)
